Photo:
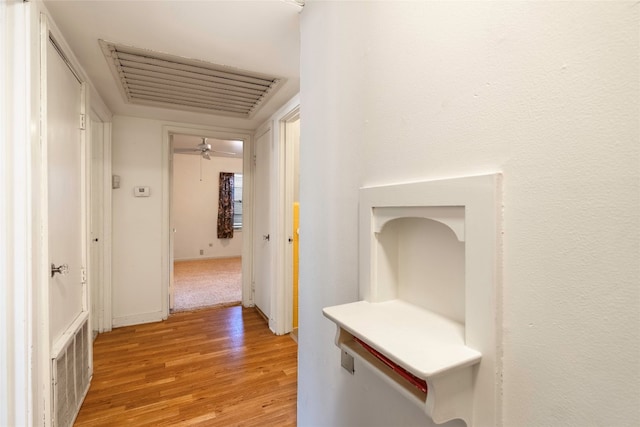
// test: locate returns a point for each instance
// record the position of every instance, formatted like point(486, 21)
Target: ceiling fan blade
point(223, 152)
point(203, 149)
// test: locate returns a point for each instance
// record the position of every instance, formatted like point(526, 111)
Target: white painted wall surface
point(140, 265)
point(546, 92)
point(195, 207)
point(137, 228)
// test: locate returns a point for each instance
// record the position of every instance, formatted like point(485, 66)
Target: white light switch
point(141, 191)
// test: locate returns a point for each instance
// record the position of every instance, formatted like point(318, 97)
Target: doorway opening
point(290, 125)
point(207, 221)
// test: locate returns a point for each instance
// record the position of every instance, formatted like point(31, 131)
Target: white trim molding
point(16, 295)
point(283, 291)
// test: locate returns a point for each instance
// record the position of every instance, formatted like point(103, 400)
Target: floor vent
point(151, 78)
point(71, 377)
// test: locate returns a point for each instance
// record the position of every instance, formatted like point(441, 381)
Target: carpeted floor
point(205, 283)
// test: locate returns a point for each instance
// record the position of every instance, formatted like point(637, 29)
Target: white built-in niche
point(428, 318)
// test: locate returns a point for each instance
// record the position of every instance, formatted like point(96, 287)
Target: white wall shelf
point(422, 342)
point(428, 345)
point(439, 323)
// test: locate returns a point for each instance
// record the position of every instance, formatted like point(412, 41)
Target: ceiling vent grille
point(157, 79)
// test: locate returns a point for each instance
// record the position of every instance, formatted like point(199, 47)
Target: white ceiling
point(260, 36)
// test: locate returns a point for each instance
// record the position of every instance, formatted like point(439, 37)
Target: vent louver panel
point(71, 378)
point(152, 78)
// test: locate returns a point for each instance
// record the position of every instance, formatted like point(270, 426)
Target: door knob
point(265, 237)
point(63, 269)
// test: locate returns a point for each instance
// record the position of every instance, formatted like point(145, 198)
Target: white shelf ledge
point(427, 345)
point(420, 341)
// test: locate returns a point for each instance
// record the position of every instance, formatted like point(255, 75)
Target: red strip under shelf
point(414, 380)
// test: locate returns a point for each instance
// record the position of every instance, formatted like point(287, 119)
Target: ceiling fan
point(203, 149)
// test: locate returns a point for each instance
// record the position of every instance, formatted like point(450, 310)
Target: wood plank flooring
point(212, 367)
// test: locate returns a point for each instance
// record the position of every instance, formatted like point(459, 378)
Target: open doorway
point(290, 138)
point(207, 222)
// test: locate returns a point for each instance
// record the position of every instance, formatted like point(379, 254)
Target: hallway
point(212, 367)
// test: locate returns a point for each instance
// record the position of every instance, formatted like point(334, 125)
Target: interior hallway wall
point(195, 208)
point(137, 221)
point(139, 294)
point(548, 93)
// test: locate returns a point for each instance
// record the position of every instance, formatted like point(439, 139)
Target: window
point(237, 201)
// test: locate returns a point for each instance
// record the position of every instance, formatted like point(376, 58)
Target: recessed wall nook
point(429, 317)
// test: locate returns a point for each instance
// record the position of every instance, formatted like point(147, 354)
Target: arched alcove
point(428, 318)
point(423, 263)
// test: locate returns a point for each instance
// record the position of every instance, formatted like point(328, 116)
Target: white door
point(65, 186)
point(262, 221)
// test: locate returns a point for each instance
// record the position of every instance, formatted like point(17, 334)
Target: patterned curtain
point(225, 206)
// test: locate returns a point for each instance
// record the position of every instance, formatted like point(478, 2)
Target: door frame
point(287, 186)
point(101, 114)
point(283, 292)
point(166, 218)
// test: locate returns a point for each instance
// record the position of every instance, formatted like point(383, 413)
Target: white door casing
point(262, 224)
point(290, 139)
point(172, 234)
point(96, 251)
point(282, 189)
point(100, 218)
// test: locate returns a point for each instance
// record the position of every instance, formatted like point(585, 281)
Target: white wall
point(137, 225)
point(140, 245)
point(545, 92)
point(195, 207)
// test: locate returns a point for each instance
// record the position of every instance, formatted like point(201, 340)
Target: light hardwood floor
point(212, 367)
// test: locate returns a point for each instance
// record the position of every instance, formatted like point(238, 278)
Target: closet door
point(262, 252)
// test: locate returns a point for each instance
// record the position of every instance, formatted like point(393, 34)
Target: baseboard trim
point(138, 319)
point(264, 316)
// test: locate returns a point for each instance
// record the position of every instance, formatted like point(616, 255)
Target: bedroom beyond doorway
point(207, 221)
point(207, 282)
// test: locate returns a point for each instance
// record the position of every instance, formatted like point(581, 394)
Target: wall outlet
point(201, 251)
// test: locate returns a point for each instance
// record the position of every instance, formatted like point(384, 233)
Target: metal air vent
point(157, 79)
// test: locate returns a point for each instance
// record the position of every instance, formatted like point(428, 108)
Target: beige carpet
point(205, 283)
